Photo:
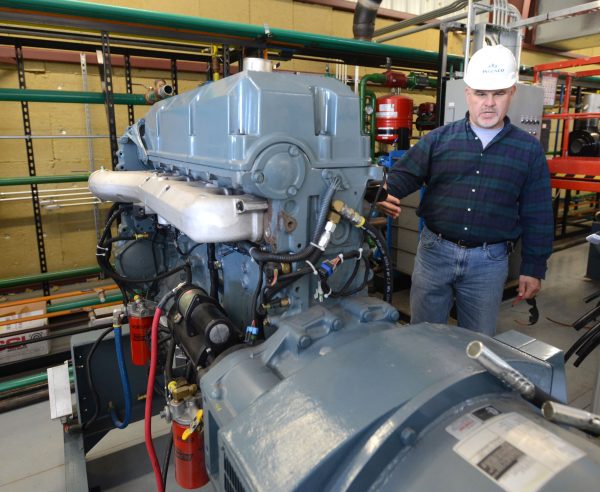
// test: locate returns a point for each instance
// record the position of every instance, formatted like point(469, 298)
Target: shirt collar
point(505, 129)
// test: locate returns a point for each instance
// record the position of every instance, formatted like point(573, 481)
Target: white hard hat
point(491, 68)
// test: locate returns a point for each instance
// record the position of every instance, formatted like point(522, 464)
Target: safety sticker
point(386, 114)
point(519, 455)
point(386, 107)
point(471, 421)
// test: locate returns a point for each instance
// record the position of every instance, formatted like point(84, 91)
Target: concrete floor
point(32, 445)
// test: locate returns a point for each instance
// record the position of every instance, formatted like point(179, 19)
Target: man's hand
point(528, 287)
point(390, 206)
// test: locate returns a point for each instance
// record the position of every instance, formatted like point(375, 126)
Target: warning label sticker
point(519, 455)
point(467, 423)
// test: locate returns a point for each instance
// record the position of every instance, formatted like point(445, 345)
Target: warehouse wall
point(69, 233)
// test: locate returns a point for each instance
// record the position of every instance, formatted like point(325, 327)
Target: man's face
point(487, 109)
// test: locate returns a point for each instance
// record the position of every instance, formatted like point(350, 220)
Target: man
point(487, 185)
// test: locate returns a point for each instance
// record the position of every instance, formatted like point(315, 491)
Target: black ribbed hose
point(379, 241)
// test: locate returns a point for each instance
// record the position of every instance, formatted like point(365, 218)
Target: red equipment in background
point(394, 120)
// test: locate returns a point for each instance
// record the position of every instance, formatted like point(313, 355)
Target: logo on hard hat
point(493, 68)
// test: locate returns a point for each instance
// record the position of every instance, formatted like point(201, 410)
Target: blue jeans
point(475, 277)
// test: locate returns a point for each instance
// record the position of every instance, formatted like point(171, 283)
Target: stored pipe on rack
point(93, 301)
point(37, 180)
point(41, 377)
point(48, 96)
point(100, 291)
point(8, 283)
point(60, 313)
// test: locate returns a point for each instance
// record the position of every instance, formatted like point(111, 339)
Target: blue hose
point(124, 382)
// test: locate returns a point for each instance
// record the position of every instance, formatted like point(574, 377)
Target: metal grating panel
point(231, 481)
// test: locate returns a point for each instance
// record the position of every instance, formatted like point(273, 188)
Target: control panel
point(525, 110)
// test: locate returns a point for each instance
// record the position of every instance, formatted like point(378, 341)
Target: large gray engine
point(249, 192)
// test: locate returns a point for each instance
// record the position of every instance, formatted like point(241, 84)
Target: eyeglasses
point(534, 314)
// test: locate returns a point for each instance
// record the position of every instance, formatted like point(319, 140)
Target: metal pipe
point(468, 35)
point(90, 301)
point(59, 313)
point(20, 401)
point(431, 25)
point(98, 291)
point(52, 199)
point(40, 377)
point(564, 414)
point(378, 78)
point(48, 96)
point(122, 19)
point(42, 137)
point(448, 9)
point(46, 197)
point(29, 180)
point(501, 369)
point(53, 206)
point(54, 336)
point(8, 283)
point(28, 192)
point(363, 23)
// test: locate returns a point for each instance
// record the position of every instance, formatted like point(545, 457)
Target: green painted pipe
point(372, 127)
point(377, 78)
point(28, 180)
point(40, 377)
point(238, 33)
point(90, 301)
point(36, 95)
point(47, 277)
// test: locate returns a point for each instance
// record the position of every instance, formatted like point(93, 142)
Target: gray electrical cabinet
point(525, 110)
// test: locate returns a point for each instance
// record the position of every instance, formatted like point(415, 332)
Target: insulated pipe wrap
point(365, 14)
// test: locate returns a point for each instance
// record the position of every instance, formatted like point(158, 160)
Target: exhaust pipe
point(365, 13)
point(564, 414)
point(498, 367)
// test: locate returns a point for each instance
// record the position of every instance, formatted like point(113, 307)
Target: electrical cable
point(588, 347)
point(124, 383)
point(379, 241)
point(581, 341)
point(149, 394)
point(166, 460)
point(150, 386)
point(214, 274)
point(90, 379)
point(169, 361)
point(256, 315)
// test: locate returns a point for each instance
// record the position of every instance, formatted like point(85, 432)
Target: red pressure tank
point(140, 314)
point(394, 120)
point(190, 471)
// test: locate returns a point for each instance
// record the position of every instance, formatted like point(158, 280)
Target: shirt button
point(466, 228)
point(477, 172)
point(473, 190)
point(481, 155)
point(468, 210)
